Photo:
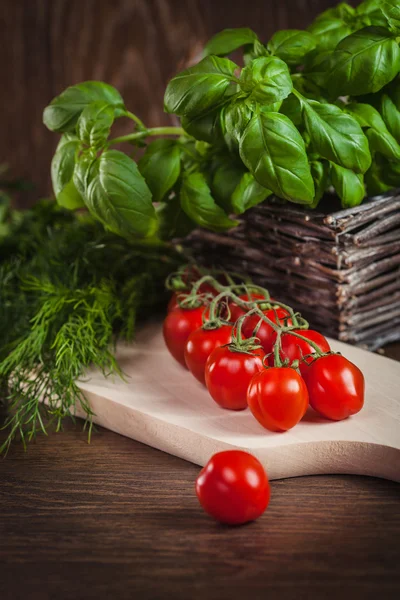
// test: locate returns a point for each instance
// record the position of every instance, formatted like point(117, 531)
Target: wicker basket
point(339, 268)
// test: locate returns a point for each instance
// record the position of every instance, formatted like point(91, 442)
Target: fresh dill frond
point(68, 291)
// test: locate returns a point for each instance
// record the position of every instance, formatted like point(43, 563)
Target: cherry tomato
point(294, 348)
point(228, 374)
point(173, 302)
point(266, 334)
point(335, 386)
point(233, 487)
point(178, 325)
point(199, 346)
point(278, 398)
point(236, 311)
point(191, 275)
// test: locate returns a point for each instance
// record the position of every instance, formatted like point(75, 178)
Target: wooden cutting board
point(162, 405)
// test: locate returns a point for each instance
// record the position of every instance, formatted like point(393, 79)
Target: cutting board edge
point(293, 460)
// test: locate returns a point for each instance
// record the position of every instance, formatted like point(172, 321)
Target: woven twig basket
point(339, 268)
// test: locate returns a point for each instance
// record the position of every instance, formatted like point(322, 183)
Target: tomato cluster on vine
point(252, 351)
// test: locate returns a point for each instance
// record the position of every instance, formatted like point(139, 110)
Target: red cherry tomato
point(266, 334)
point(233, 487)
point(278, 398)
point(191, 275)
point(173, 302)
point(335, 386)
point(199, 346)
point(228, 374)
point(294, 348)
point(236, 311)
point(178, 325)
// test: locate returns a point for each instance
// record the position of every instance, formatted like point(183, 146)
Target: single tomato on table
point(228, 374)
point(233, 487)
point(278, 398)
point(335, 387)
point(199, 346)
point(294, 348)
point(177, 327)
point(266, 333)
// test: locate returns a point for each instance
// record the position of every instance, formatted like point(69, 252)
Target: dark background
point(135, 45)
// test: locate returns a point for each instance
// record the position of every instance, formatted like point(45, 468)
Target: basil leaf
point(172, 220)
point(349, 186)
point(307, 87)
point(252, 51)
point(267, 79)
point(390, 115)
point(273, 150)
point(62, 170)
point(320, 175)
point(380, 139)
point(291, 107)
point(317, 66)
point(391, 10)
point(224, 182)
point(205, 127)
point(384, 143)
point(94, 124)
point(366, 115)
point(248, 193)
point(336, 135)
point(63, 111)
point(160, 165)
point(200, 206)
point(234, 119)
point(341, 11)
point(328, 33)
point(368, 6)
point(389, 171)
point(292, 45)
point(228, 40)
point(364, 62)
point(117, 195)
point(201, 87)
point(374, 180)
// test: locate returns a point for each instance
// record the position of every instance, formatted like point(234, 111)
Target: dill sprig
point(68, 291)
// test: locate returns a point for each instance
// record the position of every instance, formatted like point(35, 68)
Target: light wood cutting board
point(162, 405)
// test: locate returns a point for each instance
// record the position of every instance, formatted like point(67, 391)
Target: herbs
point(68, 291)
point(280, 119)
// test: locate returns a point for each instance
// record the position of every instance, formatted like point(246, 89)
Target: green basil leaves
point(308, 110)
point(229, 40)
point(364, 62)
point(292, 45)
point(117, 195)
point(266, 80)
point(160, 165)
point(274, 152)
point(335, 135)
point(62, 171)
point(201, 88)
point(349, 186)
point(63, 112)
point(199, 205)
point(248, 193)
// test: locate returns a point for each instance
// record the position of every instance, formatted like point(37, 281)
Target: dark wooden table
point(117, 519)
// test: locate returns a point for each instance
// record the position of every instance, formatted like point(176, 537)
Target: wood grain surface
point(135, 45)
point(117, 519)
